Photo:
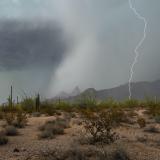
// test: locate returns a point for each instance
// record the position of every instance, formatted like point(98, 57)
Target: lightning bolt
point(139, 16)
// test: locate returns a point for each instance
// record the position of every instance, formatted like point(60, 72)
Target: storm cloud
point(50, 46)
point(28, 44)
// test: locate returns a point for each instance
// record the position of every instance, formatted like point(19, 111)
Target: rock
point(16, 150)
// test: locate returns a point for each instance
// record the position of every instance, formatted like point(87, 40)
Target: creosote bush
point(1, 115)
point(52, 128)
point(3, 138)
point(21, 120)
point(11, 131)
point(130, 103)
point(99, 127)
point(120, 153)
point(141, 122)
point(9, 117)
point(157, 118)
point(18, 119)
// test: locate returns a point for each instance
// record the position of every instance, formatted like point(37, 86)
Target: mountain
point(76, 91)
point(140, 90)
point(64, 95)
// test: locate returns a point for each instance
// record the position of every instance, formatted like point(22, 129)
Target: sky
point(52, 46)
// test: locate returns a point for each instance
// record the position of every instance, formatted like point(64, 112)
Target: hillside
point(140, 90)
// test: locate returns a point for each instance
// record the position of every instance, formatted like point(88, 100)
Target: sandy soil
point(139, 144)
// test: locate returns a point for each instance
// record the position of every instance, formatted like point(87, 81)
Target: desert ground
point(138, 143)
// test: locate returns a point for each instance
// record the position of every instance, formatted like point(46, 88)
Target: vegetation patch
point(11, 131)
point(52, 128)
point(99, 127)
point(3, 138)
point(141, 122)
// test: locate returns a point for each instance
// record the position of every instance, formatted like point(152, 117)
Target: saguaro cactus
point(38, 103)
point(17, 100)
point(11, 98)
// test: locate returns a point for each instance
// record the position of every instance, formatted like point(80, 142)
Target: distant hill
point(140, 90)
point(64, 95)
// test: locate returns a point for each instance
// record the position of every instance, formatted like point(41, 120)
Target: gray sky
point(50, 46)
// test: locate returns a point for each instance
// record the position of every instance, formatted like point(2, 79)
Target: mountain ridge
point(140, 90)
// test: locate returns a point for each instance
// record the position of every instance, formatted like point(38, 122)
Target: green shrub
point(11, 131)
point(118, 115)
point(157, 118)
point(47, 108)
point(63, 106)
point(87, 100)
point(109, 103)
point(130, 103)
point(9, 117)
point(153, 106)
point(3, 140)
point(21, 120)
point(52, 128)
point(18, 119)
point(1, 115)
point(28, 104)
point(64, 123)
point(46, 134)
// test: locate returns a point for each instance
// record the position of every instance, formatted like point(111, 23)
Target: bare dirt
point(139, 144)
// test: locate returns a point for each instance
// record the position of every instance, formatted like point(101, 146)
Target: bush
point(109, 103)
point(11, 131)
point(63, 123)
point(63, 106)
point(1, 115)
point(21, 120)
point(61, 154)
point(18, 119)
point(141, 122)
point(120, 154)
point(157, 119)
point(99, 127)
point(118, 116)
point(28, 104)
point(52, 128)
point(9, 117)
point(46, 134)
point(153, 106)
point(3, 138)
point(130, 103)
point(87, 100)
point(47, 108)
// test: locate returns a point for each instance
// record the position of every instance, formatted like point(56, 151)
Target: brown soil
point(139, 144)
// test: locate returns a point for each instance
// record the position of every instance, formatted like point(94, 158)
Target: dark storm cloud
point(27, 44)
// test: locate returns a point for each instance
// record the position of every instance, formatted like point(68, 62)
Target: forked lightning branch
point(139, 16)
